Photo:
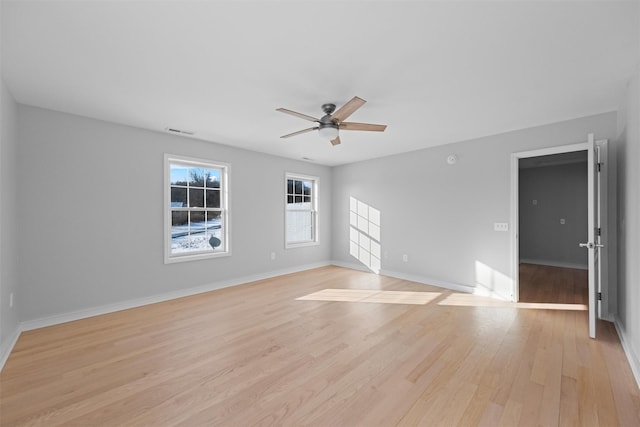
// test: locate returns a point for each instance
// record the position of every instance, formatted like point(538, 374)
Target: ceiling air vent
point(179, 131)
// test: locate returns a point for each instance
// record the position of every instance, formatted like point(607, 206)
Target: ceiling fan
point(329, 124)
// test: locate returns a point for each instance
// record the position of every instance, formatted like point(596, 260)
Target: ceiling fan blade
point(348, 109)
point(336, 140)
point(362, 126)
point(299, 132)
point(295, 113)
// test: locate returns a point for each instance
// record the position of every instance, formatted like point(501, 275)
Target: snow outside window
point(301, 210)
point(196, 215)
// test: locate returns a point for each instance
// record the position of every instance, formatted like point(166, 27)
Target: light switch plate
point(501, 226)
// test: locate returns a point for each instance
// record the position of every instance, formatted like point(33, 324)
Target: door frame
point(515, 218)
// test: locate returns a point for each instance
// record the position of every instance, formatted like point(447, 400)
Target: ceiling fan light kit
point(330, 124)
point(329, 131)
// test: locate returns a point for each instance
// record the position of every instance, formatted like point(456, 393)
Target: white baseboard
point(634, 362)
point(554, 263)
point(124, 305)
point(7, 347)
point(485, 292)
point(427, 281)
point(410, 277)
point(352, 266)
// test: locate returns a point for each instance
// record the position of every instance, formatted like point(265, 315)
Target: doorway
point(597, 228)
point(552, 222)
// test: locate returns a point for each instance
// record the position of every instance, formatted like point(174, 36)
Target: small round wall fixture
point(452, 159)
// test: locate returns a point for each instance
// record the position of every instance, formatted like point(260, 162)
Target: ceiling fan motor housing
point(326, 120)
point(328, 108)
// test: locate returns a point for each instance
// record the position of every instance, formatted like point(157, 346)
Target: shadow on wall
point(364, 234)
point(491, 282)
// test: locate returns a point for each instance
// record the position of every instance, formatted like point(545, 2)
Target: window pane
point(214, 220)
point(213, 198)
point(298, 187)
point(307, 199)
point(196, 177)
point(180, 220)
point(179, 231)
point(197, 221)
point(299, 226)
point(214, 231)
point(178, 175)
point(197, 232)
point(178, 197)
point(290, 186)
point(298, 199)
point(290, 199)
point(196, 198)
point(212, 178)
point(307, 188)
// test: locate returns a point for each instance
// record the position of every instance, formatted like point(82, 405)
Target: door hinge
point(599, 296)
point(599, 231)
point(599, 167)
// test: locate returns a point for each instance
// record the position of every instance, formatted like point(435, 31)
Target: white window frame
point(314, 210)
point(224, 207)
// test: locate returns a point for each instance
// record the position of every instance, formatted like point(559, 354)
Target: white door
point(593, 245)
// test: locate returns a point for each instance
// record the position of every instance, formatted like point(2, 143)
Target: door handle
point(590, 245)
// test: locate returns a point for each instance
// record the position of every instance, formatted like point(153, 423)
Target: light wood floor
point(356, 353)
point(553, 284)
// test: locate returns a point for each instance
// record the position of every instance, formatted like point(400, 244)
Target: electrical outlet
point(405, 258)
point(500, 226)
point(273, 256)
point(562, 221)
point(11, 300)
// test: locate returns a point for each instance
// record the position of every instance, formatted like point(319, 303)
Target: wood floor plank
point(257, 354)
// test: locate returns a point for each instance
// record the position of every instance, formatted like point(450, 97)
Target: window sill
point(300, 245)
point(195, 257)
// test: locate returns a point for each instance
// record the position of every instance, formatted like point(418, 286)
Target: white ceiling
point(434, 72)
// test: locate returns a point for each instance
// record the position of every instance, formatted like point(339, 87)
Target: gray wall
point(91, 214)
point(560, 192)
point(628, 142)
point(442, 215)
point(8, 211)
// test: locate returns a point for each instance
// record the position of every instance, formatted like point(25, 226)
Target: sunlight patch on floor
point(372, 295)
point(468, 300)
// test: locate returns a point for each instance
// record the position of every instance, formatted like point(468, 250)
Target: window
point(196, 209)
point(301, 210)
